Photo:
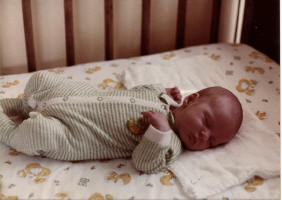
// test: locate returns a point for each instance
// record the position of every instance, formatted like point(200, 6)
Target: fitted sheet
point(255, 80)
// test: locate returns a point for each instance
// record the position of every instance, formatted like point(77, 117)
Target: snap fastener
point(40, 152)
point(163, 107)
point(100, 98)
point(33, 115)
point(132, 100)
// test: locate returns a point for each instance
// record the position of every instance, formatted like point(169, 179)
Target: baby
point(205, 119)
point(69, 120)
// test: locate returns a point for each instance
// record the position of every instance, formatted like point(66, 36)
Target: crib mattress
point(24, 177)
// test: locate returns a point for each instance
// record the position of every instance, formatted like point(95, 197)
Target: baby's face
point(203, 121)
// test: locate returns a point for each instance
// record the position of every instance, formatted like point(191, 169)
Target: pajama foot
point(6, 127)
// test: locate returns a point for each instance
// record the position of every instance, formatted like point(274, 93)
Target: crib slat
point(215, 21)
point(146, 22)
point(69, 32)
point(181, 22)
point(29, 42)
point(109, 48)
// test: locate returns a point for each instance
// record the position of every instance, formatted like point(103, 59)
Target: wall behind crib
point(89, 33)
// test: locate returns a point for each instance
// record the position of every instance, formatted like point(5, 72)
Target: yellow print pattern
point(9, 84)
point(36, 172)
point(125, 177)
point(246, 86)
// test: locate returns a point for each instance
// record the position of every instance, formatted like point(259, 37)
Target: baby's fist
point(174, 93)
point(157, 119)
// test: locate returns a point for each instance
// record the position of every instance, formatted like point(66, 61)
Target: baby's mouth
point(192, 139)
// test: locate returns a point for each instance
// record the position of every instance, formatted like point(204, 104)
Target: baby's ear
point(191, 98)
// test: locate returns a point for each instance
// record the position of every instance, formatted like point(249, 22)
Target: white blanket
point(254, 151)
point(190, 73)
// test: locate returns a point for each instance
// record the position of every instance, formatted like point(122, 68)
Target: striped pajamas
point(70, 120)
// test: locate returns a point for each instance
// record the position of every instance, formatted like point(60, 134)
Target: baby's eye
point(206, 121)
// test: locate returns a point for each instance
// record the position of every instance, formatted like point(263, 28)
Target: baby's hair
point(237, 107)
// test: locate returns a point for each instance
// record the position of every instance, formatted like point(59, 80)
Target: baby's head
point(208, 118)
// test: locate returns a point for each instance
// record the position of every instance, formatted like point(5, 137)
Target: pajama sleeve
point(158, 88)
point(156, 151)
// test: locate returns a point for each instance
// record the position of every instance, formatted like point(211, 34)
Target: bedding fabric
point(212, 171)
point(252, 76)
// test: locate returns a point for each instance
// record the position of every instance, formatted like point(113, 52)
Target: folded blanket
point(254, 151)
point(191, 73)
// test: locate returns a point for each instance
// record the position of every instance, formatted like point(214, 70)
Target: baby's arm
point(158, 148)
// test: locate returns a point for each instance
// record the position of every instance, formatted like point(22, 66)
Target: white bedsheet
point(254, 77)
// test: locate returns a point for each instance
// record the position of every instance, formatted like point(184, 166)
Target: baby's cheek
point(185, 140)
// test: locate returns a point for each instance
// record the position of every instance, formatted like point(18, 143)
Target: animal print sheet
point(24, 177)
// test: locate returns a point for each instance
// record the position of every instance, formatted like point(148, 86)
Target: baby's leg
point(11, 106)
point(6, 126)
point(39, 85)
point(40, 135)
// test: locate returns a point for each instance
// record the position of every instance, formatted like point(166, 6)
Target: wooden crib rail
point(29, 41)
point(145, 35)
point(109, 30)
point(181, 23)
point(69, 32)
point(109, 40)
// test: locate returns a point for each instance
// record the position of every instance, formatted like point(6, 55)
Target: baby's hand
point(157, 119)
point(174, 93)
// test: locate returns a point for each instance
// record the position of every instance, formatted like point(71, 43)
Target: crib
point(214, 56)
